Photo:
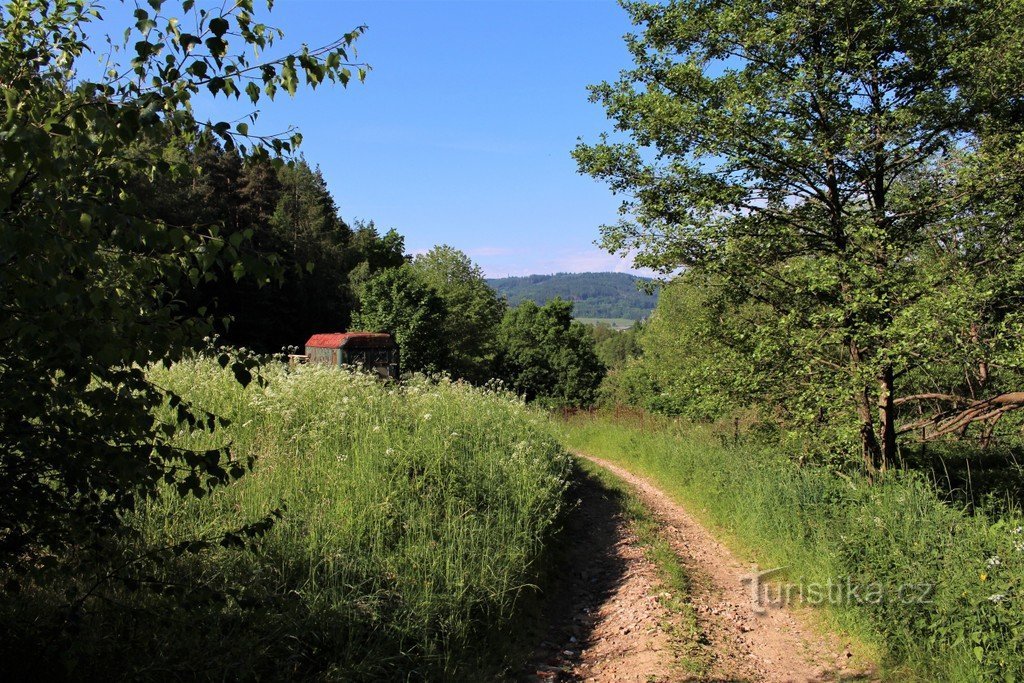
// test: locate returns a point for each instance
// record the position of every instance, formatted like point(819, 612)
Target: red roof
point(335, 340)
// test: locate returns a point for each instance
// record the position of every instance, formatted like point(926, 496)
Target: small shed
point(372, 351)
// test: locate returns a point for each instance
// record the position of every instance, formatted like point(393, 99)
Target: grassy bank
point(936, 589)
point(413, 517)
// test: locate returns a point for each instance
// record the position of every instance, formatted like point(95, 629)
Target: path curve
point(748, 642)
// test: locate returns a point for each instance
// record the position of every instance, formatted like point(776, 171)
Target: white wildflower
point(1018, 530)
point(994, 561)
point(390, 451)
point(426, 416)
point(997, 598)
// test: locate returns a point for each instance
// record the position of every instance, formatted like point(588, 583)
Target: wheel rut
point(609, 623)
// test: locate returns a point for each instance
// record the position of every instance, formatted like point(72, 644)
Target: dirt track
point(609, 625)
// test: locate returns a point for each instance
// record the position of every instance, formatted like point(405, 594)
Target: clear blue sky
point(461, 133)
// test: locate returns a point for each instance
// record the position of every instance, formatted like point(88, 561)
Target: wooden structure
point(372, 351)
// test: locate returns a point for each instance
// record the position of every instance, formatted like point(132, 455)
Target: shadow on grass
point(241, 620)
point(583, 571)
point(991, 479)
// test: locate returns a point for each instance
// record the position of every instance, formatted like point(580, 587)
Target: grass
point(821, 527)
point(415, 517)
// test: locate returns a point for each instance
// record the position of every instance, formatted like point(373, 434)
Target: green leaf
point(188, 41)
point(218, 26)
point(216, 46)
point(242, 374)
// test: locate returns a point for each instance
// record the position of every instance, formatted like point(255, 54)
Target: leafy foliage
point(614, 348)
point(398, 302)
point(473, 311)
point(547, 356)
point(93, 288)
point(823, 165)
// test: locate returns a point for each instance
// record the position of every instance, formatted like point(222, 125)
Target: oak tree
point(804, 155)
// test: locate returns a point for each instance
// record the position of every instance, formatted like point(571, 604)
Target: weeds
point(413, 517)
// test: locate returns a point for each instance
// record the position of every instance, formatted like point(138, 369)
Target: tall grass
point(413, 518)
point(826, 528)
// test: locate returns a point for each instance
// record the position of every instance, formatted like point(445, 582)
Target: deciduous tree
point(398, 302)
point(547, 356)
point(473, 310)
point(91, 286)
point(804, 155)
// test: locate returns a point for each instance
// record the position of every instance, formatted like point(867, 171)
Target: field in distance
point(614, 323)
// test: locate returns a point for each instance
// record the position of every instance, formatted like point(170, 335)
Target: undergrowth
point(412, 519)
point(936, 588)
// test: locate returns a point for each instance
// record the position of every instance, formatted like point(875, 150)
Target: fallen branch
point(966, 412)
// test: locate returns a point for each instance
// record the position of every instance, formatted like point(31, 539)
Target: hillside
point(596, 295)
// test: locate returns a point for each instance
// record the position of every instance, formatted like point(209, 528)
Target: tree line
point(132, 232)
point(331, 276)
point(594, 295)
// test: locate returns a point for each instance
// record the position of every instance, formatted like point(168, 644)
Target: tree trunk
point(871, 451)
point(886, 418)
point(982, 372)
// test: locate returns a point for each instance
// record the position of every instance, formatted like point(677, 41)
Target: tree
point(615, 347)
point(548, 357)
point(801, 154)
point(293, 221)
point(92, 288)
point(473, 310)
point(396, 301)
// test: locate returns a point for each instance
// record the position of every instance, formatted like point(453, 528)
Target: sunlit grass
point(822, 526)
point(413, 518)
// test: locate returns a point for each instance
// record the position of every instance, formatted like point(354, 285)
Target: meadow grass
point(414, 517)
point(826, 529)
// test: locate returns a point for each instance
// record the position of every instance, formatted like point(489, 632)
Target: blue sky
point(461, 133)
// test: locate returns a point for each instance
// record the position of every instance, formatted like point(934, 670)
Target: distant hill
point(596, 295)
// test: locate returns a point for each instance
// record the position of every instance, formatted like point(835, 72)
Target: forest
point(594, 295)
point(826, 378)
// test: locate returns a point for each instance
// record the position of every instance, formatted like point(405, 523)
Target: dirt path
point(613, 627)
